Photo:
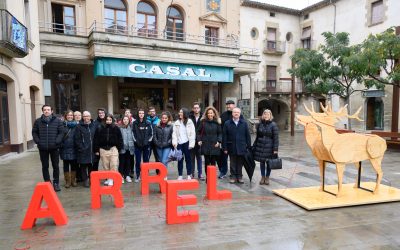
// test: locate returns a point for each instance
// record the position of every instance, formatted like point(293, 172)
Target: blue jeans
point(145, 151)
point(186, 153)
point(262, 167)
point(195, 154)
point(223, 164)
point(163, 155)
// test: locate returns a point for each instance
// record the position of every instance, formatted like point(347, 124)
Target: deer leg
point(376, 164)
point(359, 169)
point(321, 173)
point(339, 170)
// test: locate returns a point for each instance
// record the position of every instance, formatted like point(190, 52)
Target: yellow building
point(121, 54)
point(21, 94)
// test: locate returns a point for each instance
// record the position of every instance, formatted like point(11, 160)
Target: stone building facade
point(278, 31)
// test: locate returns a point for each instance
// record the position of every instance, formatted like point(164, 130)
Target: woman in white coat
point(184, 138)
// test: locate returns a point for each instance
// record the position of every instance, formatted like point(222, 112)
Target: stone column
point(210, 93)
point(110, 96)
point(251, 77)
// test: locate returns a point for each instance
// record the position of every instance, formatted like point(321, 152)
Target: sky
point(293, 4)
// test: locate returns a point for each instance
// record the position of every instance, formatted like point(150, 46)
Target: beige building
point(278, 31)
point(129, 54)
point(21, 92)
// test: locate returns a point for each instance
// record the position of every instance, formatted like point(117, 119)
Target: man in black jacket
point(98, 124)
point(195, 153)
point(235, 141)
point(47, 132)
point(143, 135)
point(223, 160)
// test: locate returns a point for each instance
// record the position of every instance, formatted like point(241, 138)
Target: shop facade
point(161, 55)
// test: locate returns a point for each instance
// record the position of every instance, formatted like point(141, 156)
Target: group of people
point(123, 145)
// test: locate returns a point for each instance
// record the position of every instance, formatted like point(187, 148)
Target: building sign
point(161, 70)
point(373, 93)
point(18, 34)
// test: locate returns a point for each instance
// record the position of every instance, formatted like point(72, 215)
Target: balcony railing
point(273, 86)
point(133, 31)
point(274, 47)
point(14, 36)
point(306, 44)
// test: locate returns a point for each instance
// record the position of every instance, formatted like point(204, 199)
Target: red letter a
point(44, 191)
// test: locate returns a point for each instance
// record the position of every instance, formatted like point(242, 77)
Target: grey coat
point(128, 140)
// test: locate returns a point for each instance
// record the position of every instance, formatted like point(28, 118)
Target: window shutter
point(271, 73)
point(377, 12)
point(271, 34)
point(306, 34)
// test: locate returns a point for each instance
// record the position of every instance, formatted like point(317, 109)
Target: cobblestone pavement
point(254, 219)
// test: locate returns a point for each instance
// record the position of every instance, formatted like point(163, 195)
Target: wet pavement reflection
point(254, 219)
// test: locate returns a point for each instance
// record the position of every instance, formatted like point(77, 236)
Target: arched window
point(146, 19)
point(115, 16)
point(175, 27)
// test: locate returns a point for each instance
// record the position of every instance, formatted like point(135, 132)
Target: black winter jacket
point(143, 133)
point(68, 150)
point(267, 141)
point(236, 139)
point(48, 135)
point(227, 115)
point(209, 133)
point(163, 136)
point(84, 135)
point(107, 137)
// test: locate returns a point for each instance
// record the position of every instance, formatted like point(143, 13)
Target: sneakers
point(189, 177)
point(123, 181)
point(56, 187)
point(86, 183)
point(128, 179)
point(137, 179)
point(106, 182)
point(202, 178)
point(232, 181)
point(111, 182)
point(180, 178)
point(240, 181)
point(222, 176)
point(165, 178)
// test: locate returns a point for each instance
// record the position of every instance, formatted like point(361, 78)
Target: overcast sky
point(293, 4)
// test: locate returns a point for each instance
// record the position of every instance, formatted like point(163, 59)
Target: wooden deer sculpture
point(341, 149)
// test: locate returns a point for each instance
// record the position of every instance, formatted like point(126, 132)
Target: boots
point(266, 181)
point(67, 176)
point(262, 181)
point(73, 179)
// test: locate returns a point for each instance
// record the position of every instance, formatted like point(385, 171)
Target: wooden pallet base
point(311, 198)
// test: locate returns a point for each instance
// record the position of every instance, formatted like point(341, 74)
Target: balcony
point(306, 44)
point(101, 40)
point(277, 87)
point(274, 47)
point(14, 36)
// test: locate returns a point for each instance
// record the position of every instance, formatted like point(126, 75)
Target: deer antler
point(356, 114)
point(311, 112)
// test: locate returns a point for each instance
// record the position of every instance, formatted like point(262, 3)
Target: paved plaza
point(254, 219)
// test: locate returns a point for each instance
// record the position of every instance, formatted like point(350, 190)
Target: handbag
point(275, 163)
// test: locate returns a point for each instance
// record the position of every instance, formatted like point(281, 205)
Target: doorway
point(374, 113)
point(4, 119)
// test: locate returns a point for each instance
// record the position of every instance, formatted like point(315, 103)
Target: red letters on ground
point(159, 178)
point(173, 201)
point(212, 193)
point(97, 190)
point(44, 191)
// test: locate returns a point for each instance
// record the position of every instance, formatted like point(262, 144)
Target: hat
point(230, 102)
